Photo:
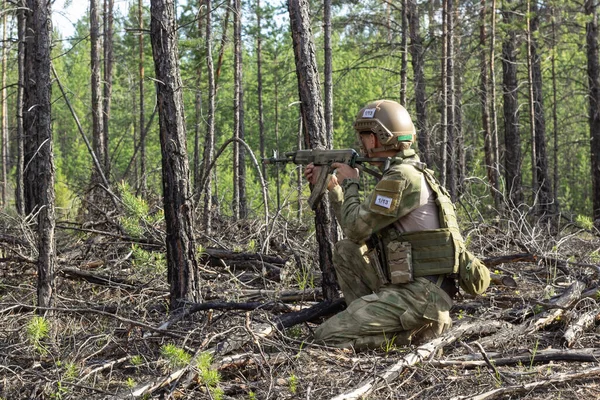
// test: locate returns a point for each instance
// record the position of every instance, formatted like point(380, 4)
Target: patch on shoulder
point(386, 197)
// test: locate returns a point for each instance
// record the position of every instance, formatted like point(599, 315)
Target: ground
point(110, 333)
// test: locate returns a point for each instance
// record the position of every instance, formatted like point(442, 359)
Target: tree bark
point(311, 107)
point(593, 72)
point(108, 80)
point(259, 82)
point(37, 120)
point(209, 139)
point(97, 120)
point(142, 178)
point(328, 72)
point(451, 166)
point(485, 103)
point(239, 170)
point(20, 85)
point(180, 242)
point(418, 64)
point(4, 122)
point(512, 139)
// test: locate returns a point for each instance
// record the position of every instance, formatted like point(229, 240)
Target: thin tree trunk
point(180, 242)
point(512, 139)
point(21, 83)
point(97, 129)
point(545, 199)
point(259, 82)
point(495, 142)
point(39, 174)
point(209, 140)
point(418, 64)
point(3, 112)
point(556, 179)
point(451, 166)
point(239, 178)
point(444, 75)
point(108, 79)
point(198, 115)
point(532, 117)
point(485, 103)
point(143, 182)
point(223, 43)
point(314, 125)
point(404, 45)
point(328, 72)
point(593, 72)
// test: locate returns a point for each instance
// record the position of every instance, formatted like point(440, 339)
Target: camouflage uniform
point(381, 314)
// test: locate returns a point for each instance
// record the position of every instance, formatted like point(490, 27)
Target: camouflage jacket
point(395, 195)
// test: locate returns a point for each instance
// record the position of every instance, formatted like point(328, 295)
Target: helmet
point(388, 120)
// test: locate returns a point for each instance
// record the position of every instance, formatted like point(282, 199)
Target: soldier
point(402, 241)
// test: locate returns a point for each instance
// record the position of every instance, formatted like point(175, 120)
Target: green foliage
point(293, 384)
point(137, 360)
point(148, 261)
point(585, 222)
point(137, 212)
point(209, 376)
point(305, 278)
point(130, 382)
point(38, 328)
point(175, 356)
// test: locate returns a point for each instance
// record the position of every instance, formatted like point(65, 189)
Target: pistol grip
point(320, 187)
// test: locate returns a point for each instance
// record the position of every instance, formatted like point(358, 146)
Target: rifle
point(325, 158)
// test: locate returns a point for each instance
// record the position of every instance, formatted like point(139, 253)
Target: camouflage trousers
point(381, 315)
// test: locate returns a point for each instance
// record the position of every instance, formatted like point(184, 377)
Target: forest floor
point(110, 336)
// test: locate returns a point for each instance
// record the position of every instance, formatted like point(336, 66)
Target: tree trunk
point(532, 116)
point(495, 144)
point(37, 120)
point(444, 117)
point(418, 64)
point(20, 84)
point(593, 72)
point(198, 116)
point(485, 103)
point(142, 181)
point(259, 82)
point(209, 139)
point(239, 170)
point(180, 242)
point(404, 45)
point(3, 112)
point(451, 166)
point(108, 80)
point(545, 198)
point(97, 121)
point(314, 125)
point(556, 179)
point(512, 139)
point(328, 72)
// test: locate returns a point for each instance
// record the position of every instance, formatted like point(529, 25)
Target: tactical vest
point(435, 251)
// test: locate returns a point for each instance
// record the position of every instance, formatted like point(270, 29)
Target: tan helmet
point(388, 120)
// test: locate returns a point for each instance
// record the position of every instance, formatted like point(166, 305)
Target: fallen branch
point(527, 387)
point(582, 324)
point(420, 354)
point(540, 357)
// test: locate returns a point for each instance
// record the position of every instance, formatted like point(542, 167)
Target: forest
point(147, 250)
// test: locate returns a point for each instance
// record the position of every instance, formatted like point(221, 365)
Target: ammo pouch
point(438, 252)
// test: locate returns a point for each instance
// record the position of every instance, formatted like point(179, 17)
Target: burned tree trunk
point(180, 242)
point(39, 174)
